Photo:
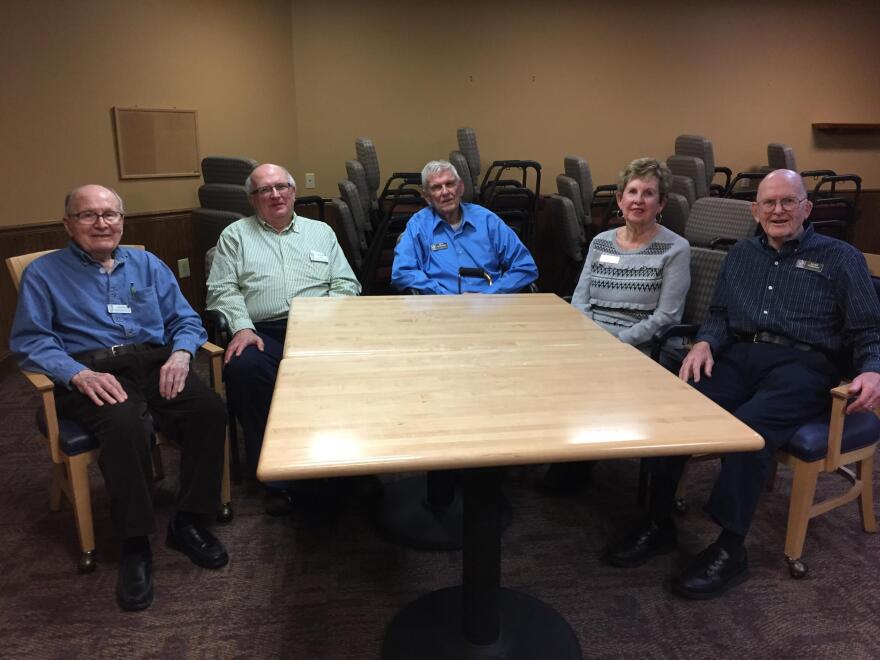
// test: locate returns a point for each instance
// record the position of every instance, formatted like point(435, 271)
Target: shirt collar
point(464, 217)
point(793, 244)
point(84, 257)
point(291, 226)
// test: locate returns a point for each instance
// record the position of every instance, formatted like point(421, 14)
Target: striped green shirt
point(256, 270)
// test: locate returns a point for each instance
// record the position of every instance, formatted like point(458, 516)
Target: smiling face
point(640, 201)
point(443, 192)
point(274, 206)
point(99, 238)
point(778, 190)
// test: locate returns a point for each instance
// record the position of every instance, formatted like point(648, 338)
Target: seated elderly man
point(785, 305)
point(450, 235)
point(110, 326)
point(261, 263)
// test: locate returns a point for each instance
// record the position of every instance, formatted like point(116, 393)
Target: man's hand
point(100, 387)
point(866, 388)
point(172, 375)
point(697, 362)
point(240, 341)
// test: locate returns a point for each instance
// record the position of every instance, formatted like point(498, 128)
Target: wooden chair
point(72, 449)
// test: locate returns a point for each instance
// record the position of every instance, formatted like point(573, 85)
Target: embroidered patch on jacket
point(809, 265)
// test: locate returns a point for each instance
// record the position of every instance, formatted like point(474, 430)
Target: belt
point(764, 337)
point(114, 351)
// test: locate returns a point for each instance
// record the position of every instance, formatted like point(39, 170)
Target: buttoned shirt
point(430, 252)
point(68, 304)
point(816, 290)
point(258, 270)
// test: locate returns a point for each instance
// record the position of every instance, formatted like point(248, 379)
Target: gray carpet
point(323, 584)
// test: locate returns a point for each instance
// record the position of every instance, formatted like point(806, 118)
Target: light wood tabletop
point(405, 383)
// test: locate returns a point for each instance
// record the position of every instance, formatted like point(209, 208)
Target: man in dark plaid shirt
point(785, 305)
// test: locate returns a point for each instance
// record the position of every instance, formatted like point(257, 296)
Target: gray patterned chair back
point(571, 239)
point(467, 145)
point(568, 187)
point(227, 169)
point(349, 194)
point(719, 217)
point(781, 157)
point(459, 162)
point(356, 174)
point(705, 266)
point(366, 154)
point(225, 197)
point(578, 169)
point(675, 213)
point(684, 186)
point(692, 167)
point(352, 236)
point(698, 147)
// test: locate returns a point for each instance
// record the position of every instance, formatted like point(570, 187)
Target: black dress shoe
point(197, 543)
point(711, 573)
point(637, 548)
point(278, 502)
point(134, 586)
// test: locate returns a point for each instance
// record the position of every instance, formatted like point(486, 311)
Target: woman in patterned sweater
point(634, 282)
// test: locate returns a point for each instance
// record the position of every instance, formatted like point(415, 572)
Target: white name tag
point(318, 256)
point(609, 259)
point(119, 309)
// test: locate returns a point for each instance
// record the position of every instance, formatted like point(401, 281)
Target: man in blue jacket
point(110, 326)
point(450, 235)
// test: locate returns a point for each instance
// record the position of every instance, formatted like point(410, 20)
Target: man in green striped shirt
point(261, 263)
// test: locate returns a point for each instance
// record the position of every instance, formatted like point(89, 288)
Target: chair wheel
point(797, 568)
point(681, 506)
point(87, 563)
point(225, 514)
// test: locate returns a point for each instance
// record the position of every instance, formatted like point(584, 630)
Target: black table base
point(431, 628)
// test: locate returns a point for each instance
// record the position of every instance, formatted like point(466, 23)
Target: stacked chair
point(701, 147)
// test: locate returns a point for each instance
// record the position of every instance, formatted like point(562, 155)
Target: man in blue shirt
point(110, 326)
point(449, 235)
point(785, 305)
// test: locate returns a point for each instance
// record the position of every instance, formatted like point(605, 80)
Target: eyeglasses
point(787, 204)
point(265, 191)
point(91, 217)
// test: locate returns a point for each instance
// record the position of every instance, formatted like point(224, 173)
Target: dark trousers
point(774, 390)
point(195, 419)
point(250, 382)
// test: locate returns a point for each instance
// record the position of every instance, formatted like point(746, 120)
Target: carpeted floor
point(323, 584)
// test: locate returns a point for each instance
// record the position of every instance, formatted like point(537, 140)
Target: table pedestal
point(480, 620)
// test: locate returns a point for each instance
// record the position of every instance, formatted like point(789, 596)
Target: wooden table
point(405, 383)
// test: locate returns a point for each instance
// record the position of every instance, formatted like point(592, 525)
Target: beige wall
point(295, 81)
point(64, 65)
point(607, 81)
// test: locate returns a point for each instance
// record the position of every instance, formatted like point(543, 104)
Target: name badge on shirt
point(314, 255)
point(119, 309)
point(809, 265)
point(439, 246)
point(609, 259)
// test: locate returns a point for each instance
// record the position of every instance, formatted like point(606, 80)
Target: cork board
point(154, 142)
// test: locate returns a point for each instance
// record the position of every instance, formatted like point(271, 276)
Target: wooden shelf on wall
point(842, 127)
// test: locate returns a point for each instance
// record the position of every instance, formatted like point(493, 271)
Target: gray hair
point(645, 168)
point(68, 198)
point(434, 168)
point(249, 186)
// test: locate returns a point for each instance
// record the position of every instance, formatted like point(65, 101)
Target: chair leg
point(225, 513)
point(803, 492)
point(866, 500)
point(56, 486)
point(81, 498)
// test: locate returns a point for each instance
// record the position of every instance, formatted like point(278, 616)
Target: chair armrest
point(818, 173)
point(41, 382)
point(46, 388)
point(217, 327)
point(722, 243)
point(212, 349)
point(665, 334)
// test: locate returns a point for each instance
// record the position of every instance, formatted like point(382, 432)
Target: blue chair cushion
point(73, 439)
point(810, 442)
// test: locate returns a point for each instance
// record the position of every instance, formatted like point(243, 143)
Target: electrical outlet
point(183, 268)
point(310, 179)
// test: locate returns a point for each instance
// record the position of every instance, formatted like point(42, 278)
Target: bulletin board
point(156, 142)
